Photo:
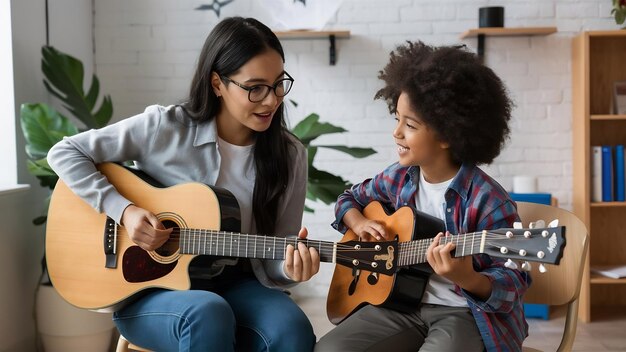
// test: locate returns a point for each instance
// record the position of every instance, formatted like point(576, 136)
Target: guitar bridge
point(110, 243)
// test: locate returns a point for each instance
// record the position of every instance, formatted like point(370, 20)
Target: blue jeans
point(240, 316)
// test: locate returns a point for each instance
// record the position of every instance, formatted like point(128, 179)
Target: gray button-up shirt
point(168, 145)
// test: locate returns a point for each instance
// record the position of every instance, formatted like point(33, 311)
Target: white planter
point(65, 328)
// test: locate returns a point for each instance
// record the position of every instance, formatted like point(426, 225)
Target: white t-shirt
point(237, 174)
point(431, 200)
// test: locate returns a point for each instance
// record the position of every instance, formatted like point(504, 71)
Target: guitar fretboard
point(414, 252)
point(231, 244)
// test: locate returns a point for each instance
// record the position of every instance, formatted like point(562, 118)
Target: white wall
point(145, 52)
point(22, 242)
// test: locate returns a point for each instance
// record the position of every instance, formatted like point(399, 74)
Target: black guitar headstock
point(542, 245)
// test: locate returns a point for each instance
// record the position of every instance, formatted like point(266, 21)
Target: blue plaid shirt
point(474, 202)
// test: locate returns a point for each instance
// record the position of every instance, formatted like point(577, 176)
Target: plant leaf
point(620, 16)
point(325, 186)
point(103, 115)
point(311, 152)
point(39, 167)
point(40, 220)
point(353, 151)
point(64, 79)
point(310, 128)
point(43, 127)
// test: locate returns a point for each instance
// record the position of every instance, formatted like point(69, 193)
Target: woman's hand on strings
point(301, 263)
point(144, 228)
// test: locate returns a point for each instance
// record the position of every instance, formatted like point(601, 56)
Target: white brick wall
point(146, 50)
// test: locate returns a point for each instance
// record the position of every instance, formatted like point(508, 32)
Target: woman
point(230, 133)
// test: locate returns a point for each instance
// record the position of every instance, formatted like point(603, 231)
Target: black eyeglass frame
point(271, 88)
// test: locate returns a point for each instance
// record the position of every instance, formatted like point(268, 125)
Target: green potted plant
point(43, 126)
point(323, 185)
point(619, 11)
point(60, 326)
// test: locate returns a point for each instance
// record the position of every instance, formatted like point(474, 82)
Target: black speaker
point(492, 16)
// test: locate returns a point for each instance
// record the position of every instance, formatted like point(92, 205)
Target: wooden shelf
point(483, 33)
point(308, 34)
point(608, 204)
point(618, 33)
point(608, 117)
point(501, 32)
point(599, 279)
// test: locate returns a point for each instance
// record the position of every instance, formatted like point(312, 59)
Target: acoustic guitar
point(93, 264)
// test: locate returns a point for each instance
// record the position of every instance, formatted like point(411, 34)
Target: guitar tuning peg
point(526, 266)
point(542, 268)
point(510, 264)
point(518, 225)
point(554, 223)
point(540, 224)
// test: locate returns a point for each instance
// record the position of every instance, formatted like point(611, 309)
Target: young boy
point(452, 114)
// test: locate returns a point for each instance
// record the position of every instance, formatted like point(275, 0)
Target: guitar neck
point(414, 252)
point(232, 244)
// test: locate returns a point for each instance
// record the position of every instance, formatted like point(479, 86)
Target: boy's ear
point(216, 84)
point(444, 145)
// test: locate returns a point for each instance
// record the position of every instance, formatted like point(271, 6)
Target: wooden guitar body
point(75, 240)
point(403, 291)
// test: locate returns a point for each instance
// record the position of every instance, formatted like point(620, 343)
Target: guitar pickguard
point(138, 266)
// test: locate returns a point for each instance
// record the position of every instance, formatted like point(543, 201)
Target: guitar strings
point(199, 232)
point(405, 245)
point(409, 250)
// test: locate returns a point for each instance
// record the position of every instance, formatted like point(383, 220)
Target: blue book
point(620, 195)
point(607, 174)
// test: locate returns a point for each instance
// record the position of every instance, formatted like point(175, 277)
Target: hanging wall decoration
point(216, 6)
point(286, 15)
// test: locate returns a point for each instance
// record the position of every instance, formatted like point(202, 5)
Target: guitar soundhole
point(171, 246)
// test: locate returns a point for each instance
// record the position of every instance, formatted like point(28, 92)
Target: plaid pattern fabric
point(474, 202)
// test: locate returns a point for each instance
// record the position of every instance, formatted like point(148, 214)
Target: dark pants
point(431, 328)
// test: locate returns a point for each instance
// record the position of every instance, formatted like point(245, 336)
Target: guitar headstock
point(379, 257)
point(542, 245)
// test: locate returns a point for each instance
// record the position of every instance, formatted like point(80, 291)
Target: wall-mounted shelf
point(482, 33)
point(307, 34)
point(608, 117)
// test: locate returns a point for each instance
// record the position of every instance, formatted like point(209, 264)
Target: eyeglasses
point(258, 92)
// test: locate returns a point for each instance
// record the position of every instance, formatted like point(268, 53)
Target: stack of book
point(612, 271)
point(608, 183)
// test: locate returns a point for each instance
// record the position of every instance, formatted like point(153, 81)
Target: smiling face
point(239, 119)
point(418, 144)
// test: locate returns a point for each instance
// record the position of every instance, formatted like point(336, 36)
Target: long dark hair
point(232, 43)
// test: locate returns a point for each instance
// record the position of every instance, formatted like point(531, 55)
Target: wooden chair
point(560, 285)
point(124, 345)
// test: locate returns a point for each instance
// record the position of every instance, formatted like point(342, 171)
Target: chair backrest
point(561, 283)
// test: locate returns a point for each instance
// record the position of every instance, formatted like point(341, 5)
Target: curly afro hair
point(462, 100)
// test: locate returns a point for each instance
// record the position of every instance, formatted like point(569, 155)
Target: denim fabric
point(239, 315)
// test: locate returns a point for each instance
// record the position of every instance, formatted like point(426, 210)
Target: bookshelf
point(598, 59)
